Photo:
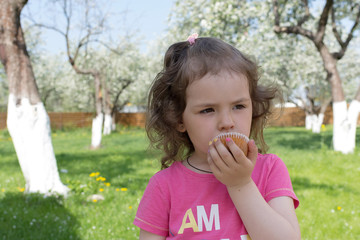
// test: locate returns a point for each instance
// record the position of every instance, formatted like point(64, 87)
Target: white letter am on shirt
point(190, 222)
point(208, 222)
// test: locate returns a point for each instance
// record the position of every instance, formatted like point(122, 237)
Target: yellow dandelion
point(118, 189)
point(339, 208)
point(94, 174)
point(102, 179)
point(101, 189)
point(107, 184)
point(94, 200)
point(3, 190)
point(21, 189)
point(130, 207)
point(123, 189)
point(323, 127)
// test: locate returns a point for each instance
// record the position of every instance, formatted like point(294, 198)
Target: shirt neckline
point(188, 171)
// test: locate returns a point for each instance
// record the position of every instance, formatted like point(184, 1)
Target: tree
point(90, 28)
point(120, 67)
point(88, 21)
point(27, 120)
point(287, 61)
point(345, 119)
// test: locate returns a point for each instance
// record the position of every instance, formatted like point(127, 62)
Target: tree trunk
point(27, 120)
point(97, 124)
point(308, 121)
point(113, 125)
point(344, 125)
point(318, 121)
point(107, 109)
point(347, 120)
point(99, 119)
point(107, 124)
point(319, 118)
point(314, 121)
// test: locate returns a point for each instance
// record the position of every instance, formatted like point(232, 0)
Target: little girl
point(207, 190)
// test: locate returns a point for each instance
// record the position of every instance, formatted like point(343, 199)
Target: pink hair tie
point(191, 39)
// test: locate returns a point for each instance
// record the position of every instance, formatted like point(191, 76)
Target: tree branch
point(117, 52)
point(343, 45)
point(127, 82)
point(319, 36)
point(298, 29)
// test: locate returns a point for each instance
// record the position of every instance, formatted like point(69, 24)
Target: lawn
point(327, 184)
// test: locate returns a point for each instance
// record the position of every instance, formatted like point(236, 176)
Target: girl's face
point(216, 104)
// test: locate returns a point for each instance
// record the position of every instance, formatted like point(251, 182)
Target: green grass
point(327, 184)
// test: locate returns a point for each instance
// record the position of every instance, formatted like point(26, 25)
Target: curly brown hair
point(184, 63)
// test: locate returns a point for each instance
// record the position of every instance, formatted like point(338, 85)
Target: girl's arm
point(273, 220)
point(145, 235)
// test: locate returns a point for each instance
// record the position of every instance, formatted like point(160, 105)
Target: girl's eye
point(239, 106)
point(207, 110)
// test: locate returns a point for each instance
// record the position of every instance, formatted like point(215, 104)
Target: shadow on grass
point(31, 216)
point(300, 140)
point(301, 183)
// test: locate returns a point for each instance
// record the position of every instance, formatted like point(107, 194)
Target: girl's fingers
point(236, 152)
point(215, 153)
point(221, 155)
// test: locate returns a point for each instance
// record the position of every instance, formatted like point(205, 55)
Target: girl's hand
point(232, 168)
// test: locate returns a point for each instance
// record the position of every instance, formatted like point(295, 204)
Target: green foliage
point(326, 182)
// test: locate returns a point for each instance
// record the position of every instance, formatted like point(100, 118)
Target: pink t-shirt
point(181, 204)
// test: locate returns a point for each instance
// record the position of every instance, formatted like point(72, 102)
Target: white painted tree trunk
point(313, 122)
point(97, 124)
point(345, 121)
point(29, 127)
point(308, 121)
point(317, 122)
point(107, 124)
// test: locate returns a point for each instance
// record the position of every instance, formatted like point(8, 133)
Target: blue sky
point(148, 17)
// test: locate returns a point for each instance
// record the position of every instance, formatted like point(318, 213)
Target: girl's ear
point(181, 127)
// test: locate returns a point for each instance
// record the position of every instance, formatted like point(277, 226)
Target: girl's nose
point(226, 121)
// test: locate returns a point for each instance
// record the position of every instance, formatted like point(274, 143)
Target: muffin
point(239, 139)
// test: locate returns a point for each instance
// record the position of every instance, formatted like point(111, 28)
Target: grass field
point(327, 184)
